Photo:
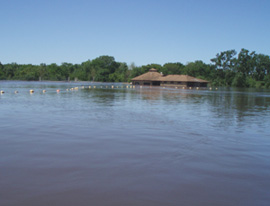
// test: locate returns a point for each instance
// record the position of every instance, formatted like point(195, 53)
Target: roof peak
point(152, 70)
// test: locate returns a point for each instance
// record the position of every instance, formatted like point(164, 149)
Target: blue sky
point(139, 31)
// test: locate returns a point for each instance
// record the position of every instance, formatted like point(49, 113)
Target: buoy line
point(31, 91)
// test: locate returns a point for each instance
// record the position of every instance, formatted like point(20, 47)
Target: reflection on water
point(142, 146)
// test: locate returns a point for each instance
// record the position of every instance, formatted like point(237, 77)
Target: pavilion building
point(154, 78)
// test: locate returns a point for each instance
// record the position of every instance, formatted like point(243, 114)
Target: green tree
point(55, 72)
point(10, 70)
point(120, 74)
point(104, 66)
point(224, 63)
point(197, 69)
point(27, 72)
point(66, 69)
point(245, 62)
point(173, 68)
point(225, 60)
point(239, 80)
point(262, 67)
point(86, 69)
point(267, 81)
point(43, 75)
point(2, 75)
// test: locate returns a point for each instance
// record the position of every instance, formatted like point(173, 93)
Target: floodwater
point(133, 147)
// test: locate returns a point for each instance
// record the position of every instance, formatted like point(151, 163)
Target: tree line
point(228, 68)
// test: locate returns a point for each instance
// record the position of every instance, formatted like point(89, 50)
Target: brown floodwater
point(143, 146)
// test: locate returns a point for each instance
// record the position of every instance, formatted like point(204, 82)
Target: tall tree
point(245, 62)
point(225, 60)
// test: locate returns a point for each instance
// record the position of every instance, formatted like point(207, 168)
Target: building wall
point(141, 83)
point(174, 84)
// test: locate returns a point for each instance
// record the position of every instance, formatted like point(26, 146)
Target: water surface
point(143, 146)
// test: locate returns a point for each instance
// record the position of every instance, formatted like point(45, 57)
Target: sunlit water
point(142, 146)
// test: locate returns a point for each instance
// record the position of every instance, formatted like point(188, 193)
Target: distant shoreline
point(63, 81)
